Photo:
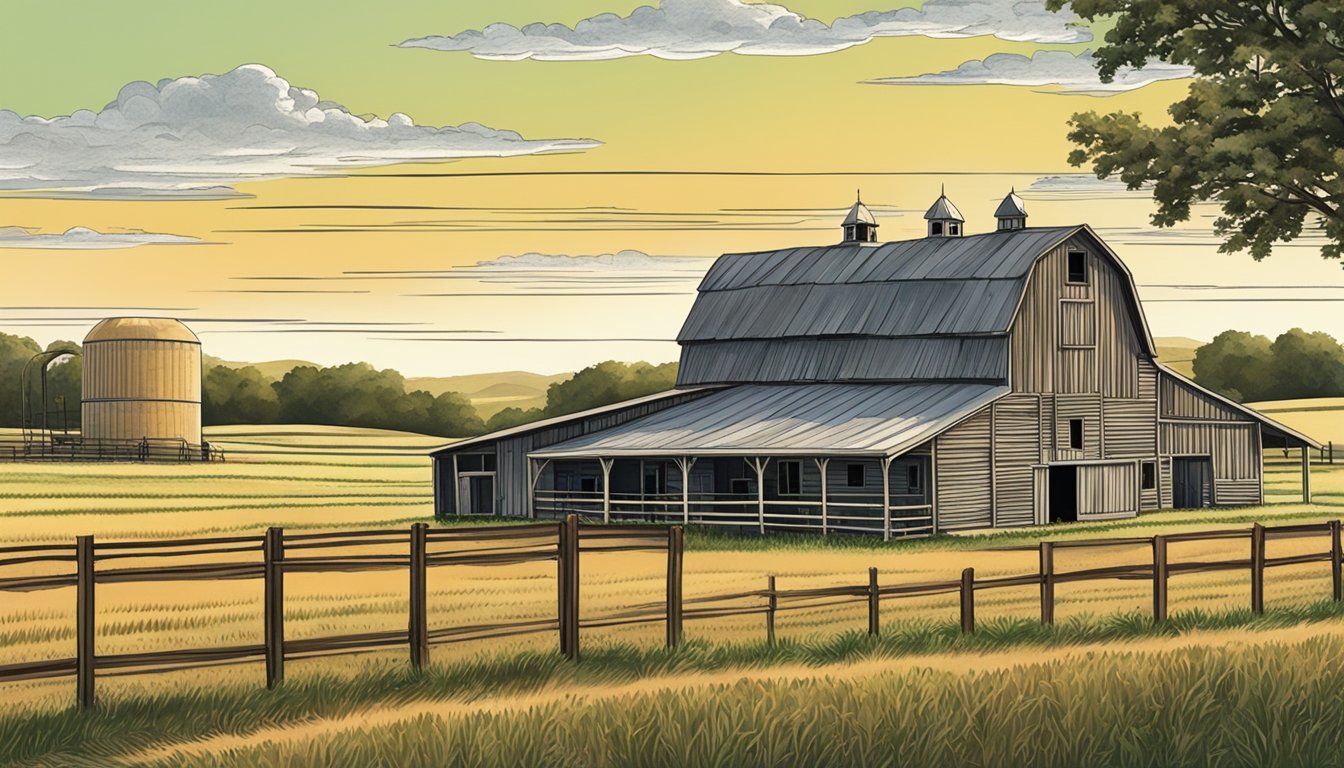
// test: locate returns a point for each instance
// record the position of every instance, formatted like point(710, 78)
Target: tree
point(606, 383)
point(1237, 364)
point(15, 352)
point(1308, 365)
point(358, 395)
point(238, 396)
point(1260, 130)
point(512, 417)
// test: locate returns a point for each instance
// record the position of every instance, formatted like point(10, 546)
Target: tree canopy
point(1248, 367)
point(1260, 131)
point(592, 387)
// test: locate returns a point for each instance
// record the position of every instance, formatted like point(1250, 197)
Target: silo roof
point(141, 329)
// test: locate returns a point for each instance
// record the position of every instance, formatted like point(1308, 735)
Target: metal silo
point(142, 380)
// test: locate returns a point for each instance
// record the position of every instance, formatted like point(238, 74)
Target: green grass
point(128, 723)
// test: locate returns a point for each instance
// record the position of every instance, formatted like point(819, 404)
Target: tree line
point(1250, 368)
point(350, 395)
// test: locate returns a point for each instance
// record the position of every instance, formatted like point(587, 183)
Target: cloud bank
point(1073, 74)
point(84, 239)
point(695, 29)
point(197, 136)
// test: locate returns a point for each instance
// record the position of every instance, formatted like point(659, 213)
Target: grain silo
point(142, 379)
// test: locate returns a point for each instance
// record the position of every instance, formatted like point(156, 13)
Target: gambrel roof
point(930, 287)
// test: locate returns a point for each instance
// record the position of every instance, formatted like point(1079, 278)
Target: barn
point(904, 388)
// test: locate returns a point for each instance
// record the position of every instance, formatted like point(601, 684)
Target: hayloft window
point(1077, 267)
point(855, 476)
point(914, 479)
point(1076, 434)
point(790, 481)
point(1148, 474)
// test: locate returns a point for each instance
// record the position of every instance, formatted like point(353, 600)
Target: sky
point(448, 188)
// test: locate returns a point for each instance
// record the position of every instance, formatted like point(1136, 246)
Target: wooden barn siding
point(1232, 446)
point(1181, 401)
point(1131, 429)
point(1054, 320)
point(1108, 490)
point(1017, 424)
point(1164, 482)
point(963, 474)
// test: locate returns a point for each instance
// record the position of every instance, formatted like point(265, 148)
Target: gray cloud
point(196, 136)
point(695, 29)
point(84, 239)
point(1072, 74)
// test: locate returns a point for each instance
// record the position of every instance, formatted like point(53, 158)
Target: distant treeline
point(351, 395)
point(1249, 368)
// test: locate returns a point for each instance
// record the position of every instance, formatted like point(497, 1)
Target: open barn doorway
point(1191, 482)
point(1063, 494)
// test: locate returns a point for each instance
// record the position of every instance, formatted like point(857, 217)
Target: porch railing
point(739, 511)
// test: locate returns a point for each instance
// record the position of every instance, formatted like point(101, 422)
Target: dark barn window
point(855, 475)
point(1149, 475)
point(914, 479)
point(1076, 434)
point(1077, 267)
point(790, 478)
point(937, 228)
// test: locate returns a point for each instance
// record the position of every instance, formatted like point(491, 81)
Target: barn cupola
point(1011, 213)
point(944, 218)
point(859, 225)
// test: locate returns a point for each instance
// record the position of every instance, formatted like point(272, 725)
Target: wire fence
point(86, 564)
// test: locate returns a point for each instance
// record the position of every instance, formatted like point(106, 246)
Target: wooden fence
point(563, 542)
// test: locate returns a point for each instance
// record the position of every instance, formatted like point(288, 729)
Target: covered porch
point(891, 496)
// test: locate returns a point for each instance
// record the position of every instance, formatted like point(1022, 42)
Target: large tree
point(1260, 132)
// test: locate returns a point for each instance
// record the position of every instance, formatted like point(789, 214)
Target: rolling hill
point(1178, 352)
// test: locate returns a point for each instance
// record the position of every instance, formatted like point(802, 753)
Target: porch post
point(534, 469)
point(1306, 474)
point(760, 466)
point(886, 498)
point(685, 463)
point(821, 466)
point(606, 488)
point(457, 485)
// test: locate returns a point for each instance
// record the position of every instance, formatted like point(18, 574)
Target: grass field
point(305, 477)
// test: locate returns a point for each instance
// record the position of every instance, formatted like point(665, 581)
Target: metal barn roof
point(791, 420)
point(859, 214)
point(932, 286)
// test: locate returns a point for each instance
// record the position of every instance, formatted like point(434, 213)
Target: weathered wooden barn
point(951, 382)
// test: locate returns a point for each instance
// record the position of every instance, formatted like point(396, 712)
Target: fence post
point(874, 609)
point(1160, 573)
point(675, 548)
point(274, 606)
point(84, 616)
point(418, 629)
point(1047, 582)
point(1257, 568)
point(569, 588)
point(968, 601)
point(1336, 561)
point(771, 606)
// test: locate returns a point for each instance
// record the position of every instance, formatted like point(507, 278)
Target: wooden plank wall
point(963, 474)
point(1016, 448)
point(1195, 424)
point(1107, 490)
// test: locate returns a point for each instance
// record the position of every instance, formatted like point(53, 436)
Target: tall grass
point(128, 723)
point(1224, 706)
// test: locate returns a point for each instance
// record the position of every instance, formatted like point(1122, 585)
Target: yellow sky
point(728, 113)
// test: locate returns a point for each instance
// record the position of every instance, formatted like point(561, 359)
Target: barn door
point(1191, 482)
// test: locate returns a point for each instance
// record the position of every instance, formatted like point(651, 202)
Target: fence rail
point(563, 542)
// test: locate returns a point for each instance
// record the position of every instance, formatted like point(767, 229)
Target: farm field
point(1322, 417)
point(328, 478)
